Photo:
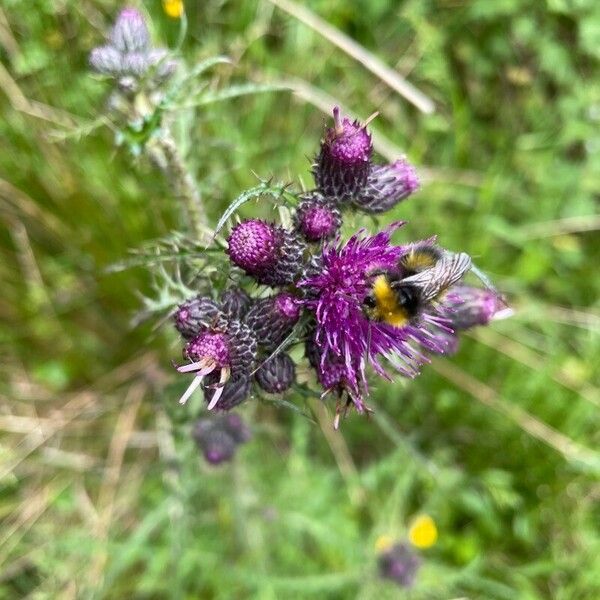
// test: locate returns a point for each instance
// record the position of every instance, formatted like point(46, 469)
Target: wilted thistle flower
point(400, 564)
point(386, 186)
point(225, 353)
point(347, 341)
point(277, 374)
point(195, 315)
point(272, 319)
point(342, 166)
point(269, 253)
point(219, 437)
point(316, 218)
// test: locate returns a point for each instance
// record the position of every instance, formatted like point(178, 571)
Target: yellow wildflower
point(422, 532)
point(173, 8)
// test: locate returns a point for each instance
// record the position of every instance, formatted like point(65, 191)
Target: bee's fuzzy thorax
point(420, 257)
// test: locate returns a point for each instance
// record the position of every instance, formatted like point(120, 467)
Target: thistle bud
point(277, 374)
point(468, 306)
point(342, 165)
point(107, 60)
point(229, 395)
point(195, 315)
point(267, 252)
point(235, 303)
point(386, 186)
point(316, 219)
point(216, 444)
point(273, 318)
point(130, 32)
point(400, 564)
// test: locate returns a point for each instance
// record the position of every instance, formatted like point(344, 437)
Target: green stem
point(165, 154)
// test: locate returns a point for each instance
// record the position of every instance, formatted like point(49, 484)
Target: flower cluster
point(129, 55)
point(358, 305)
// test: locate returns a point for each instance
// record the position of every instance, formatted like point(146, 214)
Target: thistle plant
point(301, 282)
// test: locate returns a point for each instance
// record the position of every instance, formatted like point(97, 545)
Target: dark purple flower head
point(386, 186)
point(316, 219)
point(130, 32)
point(277, 374)
point(226, 351)
point(219, 437)
point(235, 303)
point(272, 319)
point(195, 315)
point(231, 394)
point(269, 253)
point(343, 163)
point(346, 340)
point(400, 564)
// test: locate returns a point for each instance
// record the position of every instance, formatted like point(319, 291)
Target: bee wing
point(446, 272)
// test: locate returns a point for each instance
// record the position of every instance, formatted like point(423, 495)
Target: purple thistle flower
point(223, 354)
point(400, 564)
point(386, 186)
point(346, 340)
point(130, 32)
point(272, 319)
point(316, 218)
point(277, 374)
point(269, 253)
point(343, 163)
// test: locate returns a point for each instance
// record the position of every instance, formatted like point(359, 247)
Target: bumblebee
point(398, 298)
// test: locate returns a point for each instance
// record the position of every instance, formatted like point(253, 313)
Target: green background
point(102, 492)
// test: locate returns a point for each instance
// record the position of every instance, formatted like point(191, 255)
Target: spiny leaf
point(263, 188)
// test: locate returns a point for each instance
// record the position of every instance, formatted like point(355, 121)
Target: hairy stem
point(165, 154)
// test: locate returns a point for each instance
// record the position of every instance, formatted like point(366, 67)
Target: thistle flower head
point(225, 352)
point(235, 303)
point(130, 32)
point(400, 564)
point(231, 394)
point(467, 306)
point(346, 340)
point(277, 374)
point(342, 165)
point(216, 445)
point(269, 253)
point(254, 245)
point(195, 315)
point(316, 218)
point(272, 319)
point(386, 186)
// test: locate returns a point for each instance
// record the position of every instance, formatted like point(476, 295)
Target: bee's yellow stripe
point(388, 309)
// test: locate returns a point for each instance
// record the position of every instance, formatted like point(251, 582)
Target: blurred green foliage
point(498, 444)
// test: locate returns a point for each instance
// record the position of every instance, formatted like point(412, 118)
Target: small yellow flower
point(422, 532)
point(173, 8)
point(384, 543)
